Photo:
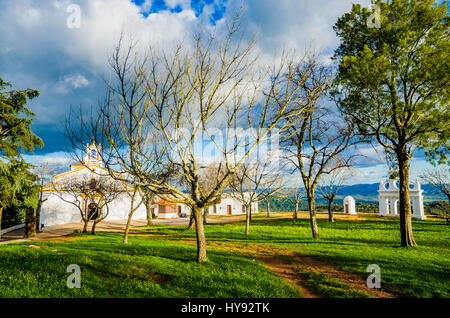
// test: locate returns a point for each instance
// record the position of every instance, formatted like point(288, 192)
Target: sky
point(43, 47)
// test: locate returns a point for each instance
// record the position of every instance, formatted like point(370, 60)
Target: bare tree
point(216, 92)
point(136, 201)
point(268, 205)
point(299, 195)
point(44, 173)
point(91, 196)
point(211, 91)
point(255, 182)
point(438, 178)
point(149, 201)
point(320, 136)
point(329, 186)
point(133, 151)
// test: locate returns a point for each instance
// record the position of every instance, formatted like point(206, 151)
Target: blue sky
point(219, 7)
point(68, 65)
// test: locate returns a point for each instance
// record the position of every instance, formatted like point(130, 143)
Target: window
point(92, 184)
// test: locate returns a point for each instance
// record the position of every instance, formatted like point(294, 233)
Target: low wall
point(12, 228)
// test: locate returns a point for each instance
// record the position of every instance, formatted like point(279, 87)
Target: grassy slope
point(144, 268)
point(415, 272)
point(149, 267)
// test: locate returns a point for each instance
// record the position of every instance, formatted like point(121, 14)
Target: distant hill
point(369, 193)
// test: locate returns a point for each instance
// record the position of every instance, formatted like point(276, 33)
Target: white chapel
point(60, 205)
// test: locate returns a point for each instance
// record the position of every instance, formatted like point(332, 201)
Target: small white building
point(389, 195)
point(57, 209)
point(349, 205)
point(228, 205)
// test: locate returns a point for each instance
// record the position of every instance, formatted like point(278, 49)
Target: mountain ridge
point(369, 193)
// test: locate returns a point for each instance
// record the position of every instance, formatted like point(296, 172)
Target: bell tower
point(93, 155)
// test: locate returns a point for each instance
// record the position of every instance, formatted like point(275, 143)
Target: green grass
point(152, 267)
point(422, 271)
point(329, 288)
point(143, 268)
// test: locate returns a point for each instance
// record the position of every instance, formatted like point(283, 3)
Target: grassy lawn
point(153, 267)
point(143, 268)
point(353, 245)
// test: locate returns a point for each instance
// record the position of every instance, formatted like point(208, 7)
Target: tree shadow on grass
point(158, 269)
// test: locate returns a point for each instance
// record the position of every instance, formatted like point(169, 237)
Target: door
point(229, 210)
point(179, 211)
point(93, 211)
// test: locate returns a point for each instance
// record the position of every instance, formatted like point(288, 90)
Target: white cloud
point(77, 81)
point(70, 82)
point(27, 16)
point(294, 23)
point(371, 154)
point(58, 159)
point(369, 175)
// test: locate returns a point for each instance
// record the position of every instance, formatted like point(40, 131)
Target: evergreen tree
point(16, 136)
point(393, 82)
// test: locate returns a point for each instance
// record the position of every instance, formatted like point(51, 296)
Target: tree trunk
point(30, 223)
point(127, 228)
point(85, 217)
point(1, 213)
point(191, 225)
point(330, 210)
point(406, 231)
point(268, 207)
point(296, 210)
point(247, 219)
point(148, 208)
point(38, 216)
point(312, 215)
point(200, 231)
point(93, 227)
point(86, 222)
point(148, 201)
point(205, 215)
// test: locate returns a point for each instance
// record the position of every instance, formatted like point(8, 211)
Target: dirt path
point(60, 232)
point(290, 265)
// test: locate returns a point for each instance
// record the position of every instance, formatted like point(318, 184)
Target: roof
point(165, 202)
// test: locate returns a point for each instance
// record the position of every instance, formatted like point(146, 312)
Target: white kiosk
point(389, 195)
point(349, 206)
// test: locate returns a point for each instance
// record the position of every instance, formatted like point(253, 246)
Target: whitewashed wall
point(121, 207)
point(55, 211)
